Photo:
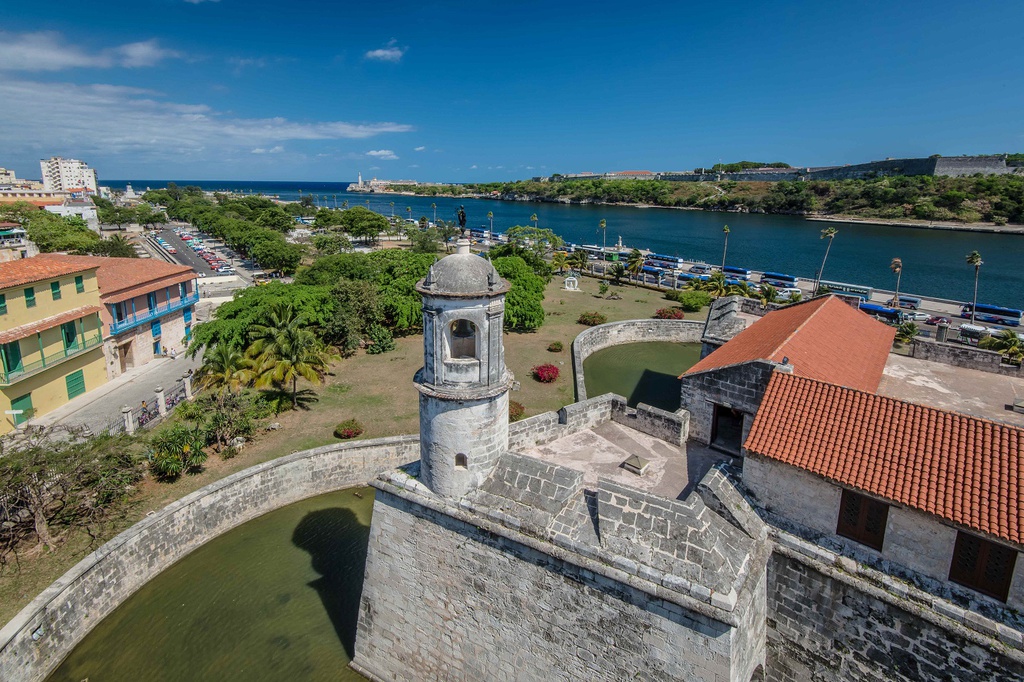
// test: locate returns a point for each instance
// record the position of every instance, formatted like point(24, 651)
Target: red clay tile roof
point(824, 338)
point(28, 270)
point(120, 279)
point(964, 469)
point(31, 328)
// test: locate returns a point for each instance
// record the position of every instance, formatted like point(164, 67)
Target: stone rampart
point(831, 619)
point(668, 426)
point(968, 357)
point(631, 331)
point(35, 641)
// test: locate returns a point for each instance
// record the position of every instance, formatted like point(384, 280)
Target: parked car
point(938, 319)
point(915, 316)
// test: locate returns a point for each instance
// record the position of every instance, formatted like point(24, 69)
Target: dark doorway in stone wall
point(727, 429)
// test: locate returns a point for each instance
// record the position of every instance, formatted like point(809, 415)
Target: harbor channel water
point(933, 260)
point(275, 599)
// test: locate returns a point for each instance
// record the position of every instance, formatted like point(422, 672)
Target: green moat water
point(644, 372)
point(275, 599)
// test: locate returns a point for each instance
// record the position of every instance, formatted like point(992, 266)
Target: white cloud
point(110, 119)
point(276, 149)
point(383, 154)
point(49, 51)
point(420, 149)
point(242, 62)
point(389, 53)
point(473, 167)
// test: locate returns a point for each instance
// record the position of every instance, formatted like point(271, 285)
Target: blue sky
point(464, 91)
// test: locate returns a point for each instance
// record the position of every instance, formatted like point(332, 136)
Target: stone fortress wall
point(35, 641)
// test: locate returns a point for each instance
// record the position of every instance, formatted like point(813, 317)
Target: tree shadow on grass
point(337, 543)
point(281, 400)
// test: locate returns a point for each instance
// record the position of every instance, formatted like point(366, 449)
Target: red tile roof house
point(148, 307)
point(822, 338)
point(928, 495)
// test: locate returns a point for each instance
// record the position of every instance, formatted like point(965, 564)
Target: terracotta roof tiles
point(824, 338)
point(37, 269)
point(964, 469)
point(122, 278)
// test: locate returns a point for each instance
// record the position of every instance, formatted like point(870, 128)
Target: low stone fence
point(968, 357)
point(35, 641)
point(668, 426)
point(630, 331)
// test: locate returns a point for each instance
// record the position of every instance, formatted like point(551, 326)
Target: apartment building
point(51, 336)
point(68, 175)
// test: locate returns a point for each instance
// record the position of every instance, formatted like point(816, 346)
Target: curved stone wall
point(631, 331)
point(35, 641)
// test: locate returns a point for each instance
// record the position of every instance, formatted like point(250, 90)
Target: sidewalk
point(101, 406)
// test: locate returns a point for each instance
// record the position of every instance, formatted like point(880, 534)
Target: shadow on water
point(657, 389)
point(328, 536)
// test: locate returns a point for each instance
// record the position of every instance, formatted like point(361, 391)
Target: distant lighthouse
point(360, 180)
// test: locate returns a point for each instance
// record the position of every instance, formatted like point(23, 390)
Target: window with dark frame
point(862, 519)
point(982, 565)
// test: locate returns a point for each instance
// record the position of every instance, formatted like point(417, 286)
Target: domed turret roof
point(464, 275)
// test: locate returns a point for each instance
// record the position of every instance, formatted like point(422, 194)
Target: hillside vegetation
point(995, 198)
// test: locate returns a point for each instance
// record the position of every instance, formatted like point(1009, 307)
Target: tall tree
point(434, 206)
point(725, 248)
point(716, 285)
point(830, 234)
point(490, 219)
point(579, 260)
point(289, 353)
point(559, 261)
point(897, 269)
point(603, 226)
point(224, 370)
point(535, 220)
point(974, 259)
point(635, 264)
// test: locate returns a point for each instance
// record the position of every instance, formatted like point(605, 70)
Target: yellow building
point(51, 337)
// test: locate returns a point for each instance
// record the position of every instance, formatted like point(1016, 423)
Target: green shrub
point(545, 373)
point(672, 313)
point(350, 428)
point(229, 452)
point(381, 340)
point(592, 319)
point(177, 449)
point(602, 288)
point(690, 300)
point(516, 411)
point(555, 347)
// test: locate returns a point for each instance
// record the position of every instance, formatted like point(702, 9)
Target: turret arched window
point(463, 339)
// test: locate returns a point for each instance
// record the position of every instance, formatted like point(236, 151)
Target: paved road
point(186, 256)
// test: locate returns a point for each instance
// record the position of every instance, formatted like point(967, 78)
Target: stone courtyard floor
point(599, 452)
point(973, 392)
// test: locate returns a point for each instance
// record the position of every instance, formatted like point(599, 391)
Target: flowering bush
point(555, 347)
point(350, 428)
point(545, 373)
point(592, 319)
point(669, 314)
point(516, 411)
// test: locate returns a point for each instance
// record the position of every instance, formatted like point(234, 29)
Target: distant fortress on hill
point(940, 166)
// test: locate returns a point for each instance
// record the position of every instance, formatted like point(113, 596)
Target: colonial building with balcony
point(51, 336)
point(148, 307)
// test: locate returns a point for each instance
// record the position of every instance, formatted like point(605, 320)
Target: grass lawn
point(375, 389)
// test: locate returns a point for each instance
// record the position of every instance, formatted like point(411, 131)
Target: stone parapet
point(35, 641)
point(960, 355)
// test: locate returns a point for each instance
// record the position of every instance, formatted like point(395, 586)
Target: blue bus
point(847, 289)
point(667, 262)
point(779, 280)
point(736, 273)
point(884, 313)
point(993, 313)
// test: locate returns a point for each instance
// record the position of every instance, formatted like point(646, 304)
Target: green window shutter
point(55, 290)
point(23, 403)
point(30, 297)
point(3, 304)
point(76, 384)
point(79, 284)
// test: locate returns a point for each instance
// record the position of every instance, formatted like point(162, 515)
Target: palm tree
point(635, 264)
point(434, 206)
point(344, 205)
point(392, 209)
point(285, 350)
point(559, 261)
point(579, 260)
point(535, 220)
point(617, 271)
point(1006, 342)
point(744, 289)
point(974, 258)
point(367, 204)
point(767, 294)
point(725, 249)
point(408, 212)
point(715, 285)
point(603, 226)
point(906, 332)
point(897, 269)
point(224, 370)
point(830, 234)
point(490, 218)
